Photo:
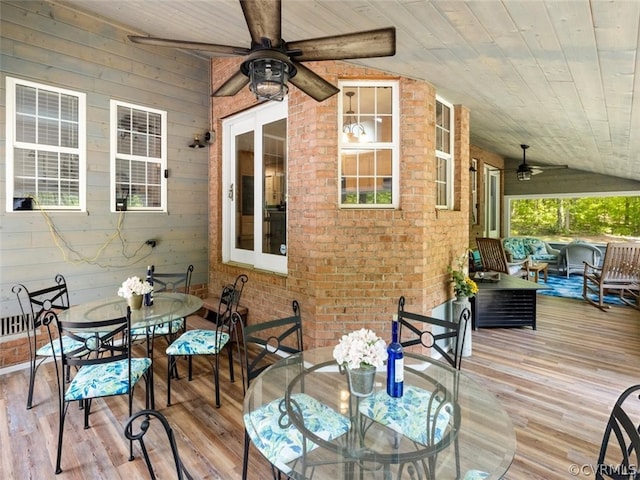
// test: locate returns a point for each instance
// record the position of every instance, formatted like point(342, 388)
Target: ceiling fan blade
point(232, 86)
point(313, 84)
point(549, 167)
point(205, 47)
point(371, 43)
point(263, 19)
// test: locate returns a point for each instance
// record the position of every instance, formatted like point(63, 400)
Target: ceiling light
point(352, 130)
point(268, 71)
point(523, 175)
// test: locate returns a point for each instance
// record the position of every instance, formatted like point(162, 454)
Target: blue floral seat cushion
point(198, 342)
point(49, 349)
point(105, 379)
point(283, 445)
point(475, 475)
point(401, 414)
point(516, 248)
point(165, 328)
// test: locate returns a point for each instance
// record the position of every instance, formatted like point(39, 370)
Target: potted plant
point(360, 353)
point(132, 289)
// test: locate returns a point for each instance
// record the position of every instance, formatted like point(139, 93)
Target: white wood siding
point(55, 45)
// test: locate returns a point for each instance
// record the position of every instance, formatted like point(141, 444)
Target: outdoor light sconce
point(209, 137)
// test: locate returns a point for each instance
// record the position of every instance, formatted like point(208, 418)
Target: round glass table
point(166, 307)
point(445, 426)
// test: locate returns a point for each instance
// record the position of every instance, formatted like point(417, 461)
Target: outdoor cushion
point(521, 248)
point(105, 379)
point(49, 350)
point(283, 445)
point(162, 329)
point(198, 342)
point(475, 475)
point(400, 414)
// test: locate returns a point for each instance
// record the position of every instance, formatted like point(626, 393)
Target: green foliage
point(589, 216)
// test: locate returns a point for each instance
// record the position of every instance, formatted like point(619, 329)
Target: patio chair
point(210, 343)
point(165, 282)
point(620, 453)
point(265, 344)
point(34, 305)
point(577, 253)
point(494, 258)
point(620, 272)
point(448, 340)
point(103, 365)
point(143, 420)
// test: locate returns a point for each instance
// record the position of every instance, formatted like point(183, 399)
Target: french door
point(254, 187)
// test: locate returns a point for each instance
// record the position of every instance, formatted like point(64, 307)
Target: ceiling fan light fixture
point(268, 72)
point(523, 175)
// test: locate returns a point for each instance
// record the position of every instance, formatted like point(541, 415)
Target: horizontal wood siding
point(55, 45)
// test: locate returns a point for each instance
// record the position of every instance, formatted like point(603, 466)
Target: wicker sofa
point(521, 248)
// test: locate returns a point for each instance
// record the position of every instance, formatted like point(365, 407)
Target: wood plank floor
point(558, 383)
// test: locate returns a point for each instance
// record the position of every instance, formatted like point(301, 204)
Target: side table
point(536, 268)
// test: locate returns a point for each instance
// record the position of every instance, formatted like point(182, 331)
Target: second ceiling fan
point(525, 171)
point(270, 62)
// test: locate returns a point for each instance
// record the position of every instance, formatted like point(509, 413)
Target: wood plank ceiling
point(560, 76)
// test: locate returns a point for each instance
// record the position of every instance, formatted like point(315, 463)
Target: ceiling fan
point(525, 171)
point(271, 62)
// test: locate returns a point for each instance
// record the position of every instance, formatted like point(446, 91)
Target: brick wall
point(347, 268)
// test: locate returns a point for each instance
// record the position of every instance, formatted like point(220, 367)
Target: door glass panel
point(244, 211)
point(274, 168)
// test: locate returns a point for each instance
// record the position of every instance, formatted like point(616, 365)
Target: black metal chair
point(102, 363)
point(448, 343)
point(619, 456)
point(211, 342)
point(34, 305)
point(143, 420)
point(264, 344)
point(165, 282)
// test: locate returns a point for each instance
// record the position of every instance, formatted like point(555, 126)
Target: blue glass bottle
point(148, 297)
point(395, 363)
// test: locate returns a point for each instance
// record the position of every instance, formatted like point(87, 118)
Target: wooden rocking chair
point(620, 272)
point(494, 258)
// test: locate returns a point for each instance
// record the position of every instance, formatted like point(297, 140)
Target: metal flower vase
point(459, 304)
point(135, 302)
point(361, 380)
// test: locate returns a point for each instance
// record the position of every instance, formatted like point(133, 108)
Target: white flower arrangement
point(360, 348)
point(134, 286)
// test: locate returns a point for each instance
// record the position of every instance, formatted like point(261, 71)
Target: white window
point(254, 169)
point(138, 158)
point(369, 116)
point(444, 154)
point(46, 150)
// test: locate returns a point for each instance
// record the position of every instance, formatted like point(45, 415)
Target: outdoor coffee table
point(536, 268)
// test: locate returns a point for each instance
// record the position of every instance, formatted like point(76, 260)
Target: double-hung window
point(369, 144)
point(444, 154)
point(45, 147)
point(138, 157)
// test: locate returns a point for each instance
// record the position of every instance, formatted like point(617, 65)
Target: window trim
point(449, 158)
point(11, 144)
point(113, 154)
point(394, 145)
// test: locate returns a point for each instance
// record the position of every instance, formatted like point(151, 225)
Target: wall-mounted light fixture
point(196, 142)
point(209, 137)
